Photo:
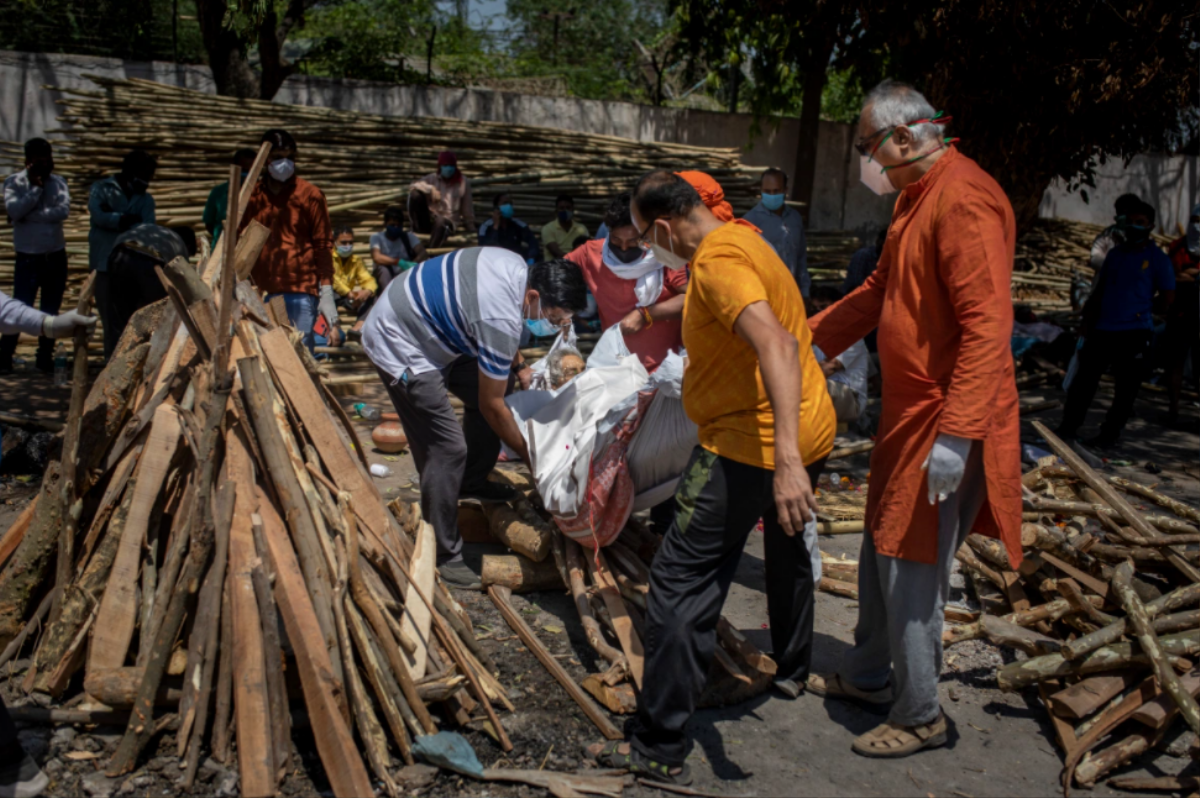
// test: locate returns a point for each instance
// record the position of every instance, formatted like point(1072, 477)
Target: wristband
point(646, 316)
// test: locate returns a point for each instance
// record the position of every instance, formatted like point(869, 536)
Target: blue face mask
point(393, 231)
point(540, 327)
point(772, 202)
point(448, 171)
point(506, 210)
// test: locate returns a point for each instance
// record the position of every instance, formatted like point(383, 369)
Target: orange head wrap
point(711, 194)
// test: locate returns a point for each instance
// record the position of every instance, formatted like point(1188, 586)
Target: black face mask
point(626, 255)
point(138, 186)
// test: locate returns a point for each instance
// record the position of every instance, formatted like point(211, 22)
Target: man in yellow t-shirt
point(766, 424)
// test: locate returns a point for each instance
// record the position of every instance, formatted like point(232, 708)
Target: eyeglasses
point(641, 239)
point(862, 144)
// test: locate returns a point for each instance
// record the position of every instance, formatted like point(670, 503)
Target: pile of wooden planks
point(609, 589)
point(209, 529)
point(1104, 610)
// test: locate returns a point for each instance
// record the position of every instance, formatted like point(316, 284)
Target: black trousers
point(448, 456)
point(132, 285)
point(33, 273)
point(11, 752)
point(1128, 353)
point(720, 502)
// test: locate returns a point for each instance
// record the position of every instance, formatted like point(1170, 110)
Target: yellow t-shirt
point(723, 390)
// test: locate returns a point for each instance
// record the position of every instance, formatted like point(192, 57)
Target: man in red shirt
point(297, 260)
point(632, 288)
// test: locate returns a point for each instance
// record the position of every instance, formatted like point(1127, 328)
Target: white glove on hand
point(327, 305)
point(945, 465)
point(64, 326)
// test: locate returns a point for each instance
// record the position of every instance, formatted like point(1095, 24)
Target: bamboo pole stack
point(1104, 609)
point(216, 495)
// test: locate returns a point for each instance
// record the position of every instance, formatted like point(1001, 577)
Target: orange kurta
point(942, 301)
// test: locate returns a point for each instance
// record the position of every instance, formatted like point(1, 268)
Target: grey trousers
point(447, 455)
point(901, 607)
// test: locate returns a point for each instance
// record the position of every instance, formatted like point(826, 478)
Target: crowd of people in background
point(776, 363)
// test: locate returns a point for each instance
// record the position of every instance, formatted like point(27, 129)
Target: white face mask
point(667, 257)
point(345, 250)
point(873, 177)
point(282, 170)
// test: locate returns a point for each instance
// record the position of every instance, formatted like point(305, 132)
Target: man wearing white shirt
point(845, 375)
point(37, 203)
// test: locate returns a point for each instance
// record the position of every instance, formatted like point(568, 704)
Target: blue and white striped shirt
point(465, 303)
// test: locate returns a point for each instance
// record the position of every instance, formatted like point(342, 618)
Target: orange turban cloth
point(711, 194)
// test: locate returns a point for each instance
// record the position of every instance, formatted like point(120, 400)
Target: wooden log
point(1038, 506)
point(272, 654)
point(500, 597)
point(839, 527)
point(1183, 784)
point(391, 701)
point(738, 643)
point(517, 533)
point(1017, 675)
point(843, 589)
point(117, 687)
point(250, 242)
point(473, 524)
point(12, 538)
point(1117, 754)
point(1168, 679)
point(1157, 714)
point(1002, 633)
point(851, 449)
point(223, 709)
point(1083, 698)
point(1176, 599)
point(1129, 486)
point(291, 501)
point(110, 642)
point(335, 745)
point(595, 637)
point(519, 574)
point(418, 618)
point(1101, 725)
point(441, 689)
point(1115, 500)
point(35, 623)
point(631, 643)
point(618, 699)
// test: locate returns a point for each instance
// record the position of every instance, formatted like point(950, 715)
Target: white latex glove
point(945, 465)
point(327, 305)
point(64, 326)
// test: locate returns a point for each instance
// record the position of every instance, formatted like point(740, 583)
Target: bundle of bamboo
point(204, 493)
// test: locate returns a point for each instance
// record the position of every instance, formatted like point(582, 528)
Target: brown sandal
point(832, 685)
point(890, 741)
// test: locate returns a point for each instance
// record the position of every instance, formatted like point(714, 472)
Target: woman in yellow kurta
point(947, 457)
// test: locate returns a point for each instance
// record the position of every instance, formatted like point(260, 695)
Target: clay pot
point(389, 416)
point(389, 437)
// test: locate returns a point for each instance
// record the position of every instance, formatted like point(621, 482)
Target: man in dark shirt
point(505, 230)
point(1117, 326)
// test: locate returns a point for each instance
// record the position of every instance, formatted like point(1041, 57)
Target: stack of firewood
point(1103, 611)
point(206, 491)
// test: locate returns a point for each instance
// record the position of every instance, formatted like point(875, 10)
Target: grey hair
point(893, 104)
point(554, 362)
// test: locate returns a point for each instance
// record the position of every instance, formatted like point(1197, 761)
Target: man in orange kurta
point(947, 457)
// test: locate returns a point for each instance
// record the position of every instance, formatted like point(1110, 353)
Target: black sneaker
point(456, 574)
point(23, 779)
point(489, 492)
point(1100, 441)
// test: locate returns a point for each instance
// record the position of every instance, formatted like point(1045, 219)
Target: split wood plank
point(252, 710)
point(631, 644)
point(16, 533)
point(111, 638)
point(418, 618)
point(1083, 698)
point(322, 692)
point(1156, 713)
point(500, 597)
point(347, 472)
point(1097, 586)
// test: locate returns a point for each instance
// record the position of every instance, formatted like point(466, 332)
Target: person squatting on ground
point(453, 323)
point(353, 283)
point(440, 203)
point(394, 250)
point(505, 230)
point(296, 262)
point(766, 425)
point(37, 203)
point(947, 456)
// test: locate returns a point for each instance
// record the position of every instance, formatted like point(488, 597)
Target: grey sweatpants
point(448, 455)
point(901, 607)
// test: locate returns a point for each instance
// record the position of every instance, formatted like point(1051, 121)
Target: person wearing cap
point(1118, 326)
point(37, 203)
point(783, 227)
point(440, 203)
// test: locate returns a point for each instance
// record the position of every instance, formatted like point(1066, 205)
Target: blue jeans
point(302, 313)
point(31, 273)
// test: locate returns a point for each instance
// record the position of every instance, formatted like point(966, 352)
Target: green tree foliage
point(133, 29)
point(597, 54)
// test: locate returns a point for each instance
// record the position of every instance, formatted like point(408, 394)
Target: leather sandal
point(890, 741)
point(832, 685)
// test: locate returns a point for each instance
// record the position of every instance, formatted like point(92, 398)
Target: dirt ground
point(1001, 744)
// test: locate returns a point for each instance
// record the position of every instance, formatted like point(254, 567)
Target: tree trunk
point(227, 53)
point(810, 122)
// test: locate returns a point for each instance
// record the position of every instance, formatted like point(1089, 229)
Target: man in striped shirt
point(454, 323)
